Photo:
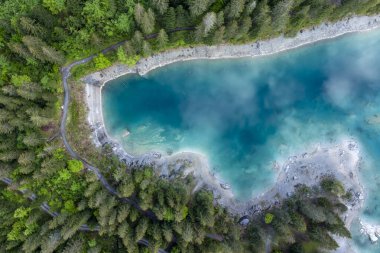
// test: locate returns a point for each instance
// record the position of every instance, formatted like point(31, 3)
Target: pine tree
point(123, 212)
point(231, 30)
point(218, 36)
point(31, 243)
point(161, 5)
point(146, 48)
point(34, 46)
point(123, 230)
point(220, 19)
point(170, 19)
point(126, 188)
point(167, 233)
point(209, 21)
point(29, 91)
point(30, 26)
point(148, 22)
point(51, 242)
point(162, 39)
point(187, 232)
point(262, 19)
point(141, 229)
point(250, 7)
point(74, 246)
point(39, 120)
point(53, 55)
point(6, 128)
point(101, 197)
point(145, 19)
point(182, 17)
point(235, 8)
point(26, 158)
point(19, 49)
point(73, 224)
point(137, 41)
point(198, 7)
point(32, 139)
point(245, 26)
point(281, 15)
point(139, 13)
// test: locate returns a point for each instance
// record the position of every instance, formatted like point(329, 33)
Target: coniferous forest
point(51, 202)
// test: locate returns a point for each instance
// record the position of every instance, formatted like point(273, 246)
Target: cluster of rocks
point(372, 231)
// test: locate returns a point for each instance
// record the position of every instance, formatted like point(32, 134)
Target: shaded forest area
point(37, 37)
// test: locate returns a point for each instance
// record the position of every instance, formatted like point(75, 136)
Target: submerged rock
point(225, 186)
point(372, 231)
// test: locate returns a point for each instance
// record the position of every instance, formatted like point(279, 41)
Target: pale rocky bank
point(341, 160)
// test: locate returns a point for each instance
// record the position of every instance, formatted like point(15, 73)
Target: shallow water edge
point(95, 82)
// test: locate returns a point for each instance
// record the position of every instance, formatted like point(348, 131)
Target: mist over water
point(244, 114)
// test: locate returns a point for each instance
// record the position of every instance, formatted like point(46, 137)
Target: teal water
point(246, 113)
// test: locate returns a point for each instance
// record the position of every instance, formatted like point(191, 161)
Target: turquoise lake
point(246, 113)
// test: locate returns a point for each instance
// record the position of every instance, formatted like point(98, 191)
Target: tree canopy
point(51, 203)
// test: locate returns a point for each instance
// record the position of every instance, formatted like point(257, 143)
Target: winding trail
point(65, 73)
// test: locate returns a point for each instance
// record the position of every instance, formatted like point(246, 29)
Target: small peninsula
point(68, 183)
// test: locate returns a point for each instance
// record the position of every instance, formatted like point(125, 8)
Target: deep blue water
point(246, 113)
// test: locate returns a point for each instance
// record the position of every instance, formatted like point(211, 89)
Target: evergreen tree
point(245, 26)
point(262, 19)
point(218, 37)
point(235, 8)
point(148, 22)
point(231, 30)
point(281, 15)
point(137, 41)
point(146, 48)
point(198, 7)
point(161, 5)
point(162, 39)
point(170, 19)
point(141, 229)
point(209, 21)
point(182, 17)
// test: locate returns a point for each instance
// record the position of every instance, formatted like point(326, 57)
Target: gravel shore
point(340, 160)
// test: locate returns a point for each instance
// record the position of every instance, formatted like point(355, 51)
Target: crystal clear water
point(246, 113)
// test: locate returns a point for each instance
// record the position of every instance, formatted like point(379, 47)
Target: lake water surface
point(244, 114)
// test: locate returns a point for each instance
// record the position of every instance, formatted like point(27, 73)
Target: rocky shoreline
point(305, 168)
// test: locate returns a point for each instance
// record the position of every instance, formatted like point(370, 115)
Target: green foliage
point(19, 80)
point(37, 37)
point(101, 62)
point(59, 153)
point(302, 223)
point(268, 218)
point(162, 39)
point(75, 165)
point(21, 212)
point(92, 243)
point(333, 186)
point(69, 206)
point(55, 6)
point(121, 55)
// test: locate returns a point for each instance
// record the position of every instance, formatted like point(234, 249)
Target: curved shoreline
point(95, 81)
point(167, 165)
